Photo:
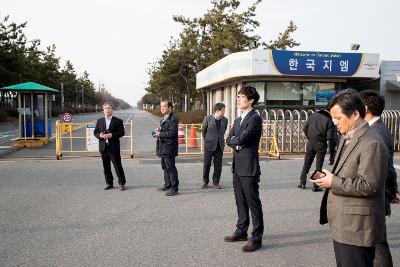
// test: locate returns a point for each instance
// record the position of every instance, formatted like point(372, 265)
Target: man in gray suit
point(353, 202)
point(214, 128)
point(374, 106)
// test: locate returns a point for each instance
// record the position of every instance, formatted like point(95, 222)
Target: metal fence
point(191, 141)
point(289, 127)
point(74, 138)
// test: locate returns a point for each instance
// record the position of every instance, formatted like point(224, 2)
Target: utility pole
point(62, 97)
point(83, 97)
point(76, 96)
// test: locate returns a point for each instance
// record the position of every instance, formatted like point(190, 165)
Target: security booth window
point(260, 87)
point(283, 93)
point(324, 92)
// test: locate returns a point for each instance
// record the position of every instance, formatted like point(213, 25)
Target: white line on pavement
point(149, 116)
point(396, 166)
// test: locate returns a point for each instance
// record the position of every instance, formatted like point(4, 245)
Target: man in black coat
point(374, 106)
point(167, 148)
point(318, 129)
point(213, 130)
point(109, 130)
point(244, 139)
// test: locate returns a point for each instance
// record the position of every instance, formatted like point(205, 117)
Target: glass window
point(260, 87)
point(309, 90)
point(324, 92)
point(283, 91)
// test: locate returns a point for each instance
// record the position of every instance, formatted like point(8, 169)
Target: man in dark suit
point(244, 139)
point(109, 130)
point(318, 129)
point(214, 128)
point(353, 202)
point(374, 106)
point(167, 148)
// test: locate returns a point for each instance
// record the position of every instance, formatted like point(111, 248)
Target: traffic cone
point(193, 137)
point(181, 134)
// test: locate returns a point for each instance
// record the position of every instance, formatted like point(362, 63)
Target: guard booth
point(34, 108)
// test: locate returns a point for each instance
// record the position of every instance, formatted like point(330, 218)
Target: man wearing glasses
point(244, 139)
point(109, 129)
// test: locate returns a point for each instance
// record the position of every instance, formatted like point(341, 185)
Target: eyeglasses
point(107, 108)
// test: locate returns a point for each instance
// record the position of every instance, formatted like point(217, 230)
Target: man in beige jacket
point(353, 202)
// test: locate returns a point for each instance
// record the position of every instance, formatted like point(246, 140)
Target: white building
point(286, 79)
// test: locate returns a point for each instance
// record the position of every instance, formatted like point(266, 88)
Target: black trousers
point(332, 151)
point(247, 197)
point(313, 148)
point(170, 173)
point(353, 256)
point(208, 156)
point(115, 157)
point(383, 257)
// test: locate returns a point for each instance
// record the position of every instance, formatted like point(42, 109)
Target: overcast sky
point(115, 41)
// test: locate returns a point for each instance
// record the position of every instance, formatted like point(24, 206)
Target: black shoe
point(317, 189)
point(171, 192)
point(331, 162)
point(235, 238)
point(216, 185)
point(108, 187)
point(302, 186)
point(122, 187)
point(163, 188)
point(205, 185)
point(252, 246)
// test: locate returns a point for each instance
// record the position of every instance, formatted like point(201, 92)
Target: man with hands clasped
point(244, 139)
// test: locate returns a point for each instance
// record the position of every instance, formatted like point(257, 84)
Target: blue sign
point(324, 97)
point(316, 63)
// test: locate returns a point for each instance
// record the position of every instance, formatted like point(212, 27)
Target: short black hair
point(251, 93)
point(169, 103)
point(348, 102)
point(219, 106)
point(374, 101)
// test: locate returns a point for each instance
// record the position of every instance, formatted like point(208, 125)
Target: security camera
point(355, 47)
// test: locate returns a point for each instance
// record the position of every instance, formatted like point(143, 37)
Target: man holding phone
point(353, 203)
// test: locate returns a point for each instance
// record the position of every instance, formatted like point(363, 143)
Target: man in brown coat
point(353, 202)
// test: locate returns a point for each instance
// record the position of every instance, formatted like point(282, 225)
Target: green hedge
point(8, 114)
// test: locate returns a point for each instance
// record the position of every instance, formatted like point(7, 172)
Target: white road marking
point(4, 147)
point(396, 166)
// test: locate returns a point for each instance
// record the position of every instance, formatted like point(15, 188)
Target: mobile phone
point(316, 175)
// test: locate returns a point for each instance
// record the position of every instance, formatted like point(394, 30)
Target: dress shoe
point(122, 187)
point(163, 188)
point(205, 185)
point(317, 189)
point(108, 187)
point(331, 162)
point(235, 238)
point(302, 186)
point(252, 246)
point(216, 185)
point(171, 192)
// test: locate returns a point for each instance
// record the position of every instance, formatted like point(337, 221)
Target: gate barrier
point(268, 143)
point(70, 138)
point(289, 127)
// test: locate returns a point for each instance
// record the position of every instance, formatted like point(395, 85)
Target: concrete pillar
point(233, 103)
point(227, 101)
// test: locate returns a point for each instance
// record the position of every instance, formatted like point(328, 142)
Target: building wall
point(389, 69)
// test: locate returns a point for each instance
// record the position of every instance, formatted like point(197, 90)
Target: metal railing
point(76, 138)
point(290, 123)
point(192, 142)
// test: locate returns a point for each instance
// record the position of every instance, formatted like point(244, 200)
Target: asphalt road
point(55, 213)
